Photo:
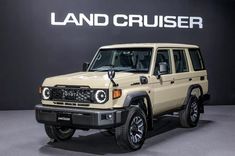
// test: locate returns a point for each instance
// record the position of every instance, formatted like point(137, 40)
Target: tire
point(189, 117)
point(59, 133)
point(131, 135)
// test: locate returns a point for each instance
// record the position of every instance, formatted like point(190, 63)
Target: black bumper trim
point(80, 118)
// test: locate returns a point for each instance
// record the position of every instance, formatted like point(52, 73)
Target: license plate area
point(64, 118)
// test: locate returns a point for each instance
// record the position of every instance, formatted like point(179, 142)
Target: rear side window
point(196, 59)
point(180, 61)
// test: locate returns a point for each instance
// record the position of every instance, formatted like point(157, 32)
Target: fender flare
point(137, 95)
point(201, 107)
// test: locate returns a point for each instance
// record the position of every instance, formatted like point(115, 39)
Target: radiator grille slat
point(80, 95)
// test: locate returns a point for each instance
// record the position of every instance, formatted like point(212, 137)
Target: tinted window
point(180, 61)
point(196, 59)
point(163, 56)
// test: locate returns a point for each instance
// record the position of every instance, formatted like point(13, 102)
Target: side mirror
point(162, 69)
point(111, 75)
point(85, 66)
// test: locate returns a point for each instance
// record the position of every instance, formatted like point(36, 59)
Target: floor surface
point(21, 135)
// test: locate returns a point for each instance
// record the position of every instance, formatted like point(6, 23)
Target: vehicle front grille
point(80, 95)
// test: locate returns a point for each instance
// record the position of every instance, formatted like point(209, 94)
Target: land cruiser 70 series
point(123, 88)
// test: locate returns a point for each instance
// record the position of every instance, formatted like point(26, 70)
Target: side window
point(196, 59)
point(180, 61)
point(163, 55)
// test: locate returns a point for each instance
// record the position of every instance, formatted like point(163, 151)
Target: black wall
point(31, 49)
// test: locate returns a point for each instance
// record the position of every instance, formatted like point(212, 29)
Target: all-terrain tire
point(189, 116)
point(59, 133)
point(131, 135)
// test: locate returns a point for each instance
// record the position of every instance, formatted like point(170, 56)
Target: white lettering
point(160, 21)
point(120, 24)
point(89, 21)
point(146, 23)
point(70, 18)
point(135, 19)
point(122, 20)
point(98, 17)
point(170, 22)
point(182, 21)
point(195, 21)
point(53, 22)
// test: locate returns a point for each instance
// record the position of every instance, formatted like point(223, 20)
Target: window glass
point(196, 59)
point(180, 61)
point(123, 60)
point(163, 55)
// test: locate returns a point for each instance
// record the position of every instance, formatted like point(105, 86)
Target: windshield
point(123, 59)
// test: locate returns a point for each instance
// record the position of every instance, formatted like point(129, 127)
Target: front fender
point(138, 95)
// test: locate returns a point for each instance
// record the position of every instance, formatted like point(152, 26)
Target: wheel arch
point(131, 97)
point(190, 89)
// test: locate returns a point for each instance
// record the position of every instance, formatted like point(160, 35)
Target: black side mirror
point(111, 75)
point(163, 68)
point(85, 66)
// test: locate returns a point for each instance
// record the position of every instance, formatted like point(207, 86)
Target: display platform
point(21, 135)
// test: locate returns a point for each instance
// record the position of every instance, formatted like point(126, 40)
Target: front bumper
point(80, 118)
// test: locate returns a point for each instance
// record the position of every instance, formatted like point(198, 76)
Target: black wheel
point(131, 135)
point(189, 117)
point(59, 133)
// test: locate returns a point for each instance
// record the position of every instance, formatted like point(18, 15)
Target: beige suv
point(123, 88)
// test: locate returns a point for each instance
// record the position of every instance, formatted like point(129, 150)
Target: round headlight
point(46, 93)
point(100, 96)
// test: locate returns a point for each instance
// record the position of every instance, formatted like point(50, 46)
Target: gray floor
point(21, 135)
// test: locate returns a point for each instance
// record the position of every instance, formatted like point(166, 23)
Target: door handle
point(190, 79)
point(172, 81)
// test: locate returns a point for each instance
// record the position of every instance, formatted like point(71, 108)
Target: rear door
point(199, 73)
point(181, 75)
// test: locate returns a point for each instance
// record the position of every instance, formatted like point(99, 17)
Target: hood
point(91, 79)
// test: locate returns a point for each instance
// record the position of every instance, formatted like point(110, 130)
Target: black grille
point(81, 95)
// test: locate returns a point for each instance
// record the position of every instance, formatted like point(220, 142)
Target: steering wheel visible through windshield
point(122, 59)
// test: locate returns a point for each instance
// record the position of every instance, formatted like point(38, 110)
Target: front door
point(162, 92)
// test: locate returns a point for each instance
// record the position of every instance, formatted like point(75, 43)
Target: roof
point(136, 45)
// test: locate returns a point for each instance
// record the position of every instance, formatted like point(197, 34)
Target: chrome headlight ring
point(46, 93)
point(100, 96)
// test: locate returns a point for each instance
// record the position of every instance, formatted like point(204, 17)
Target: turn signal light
point(117, 93)
point(40, 89)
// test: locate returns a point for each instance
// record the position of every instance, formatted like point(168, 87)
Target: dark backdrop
point(31, 49)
